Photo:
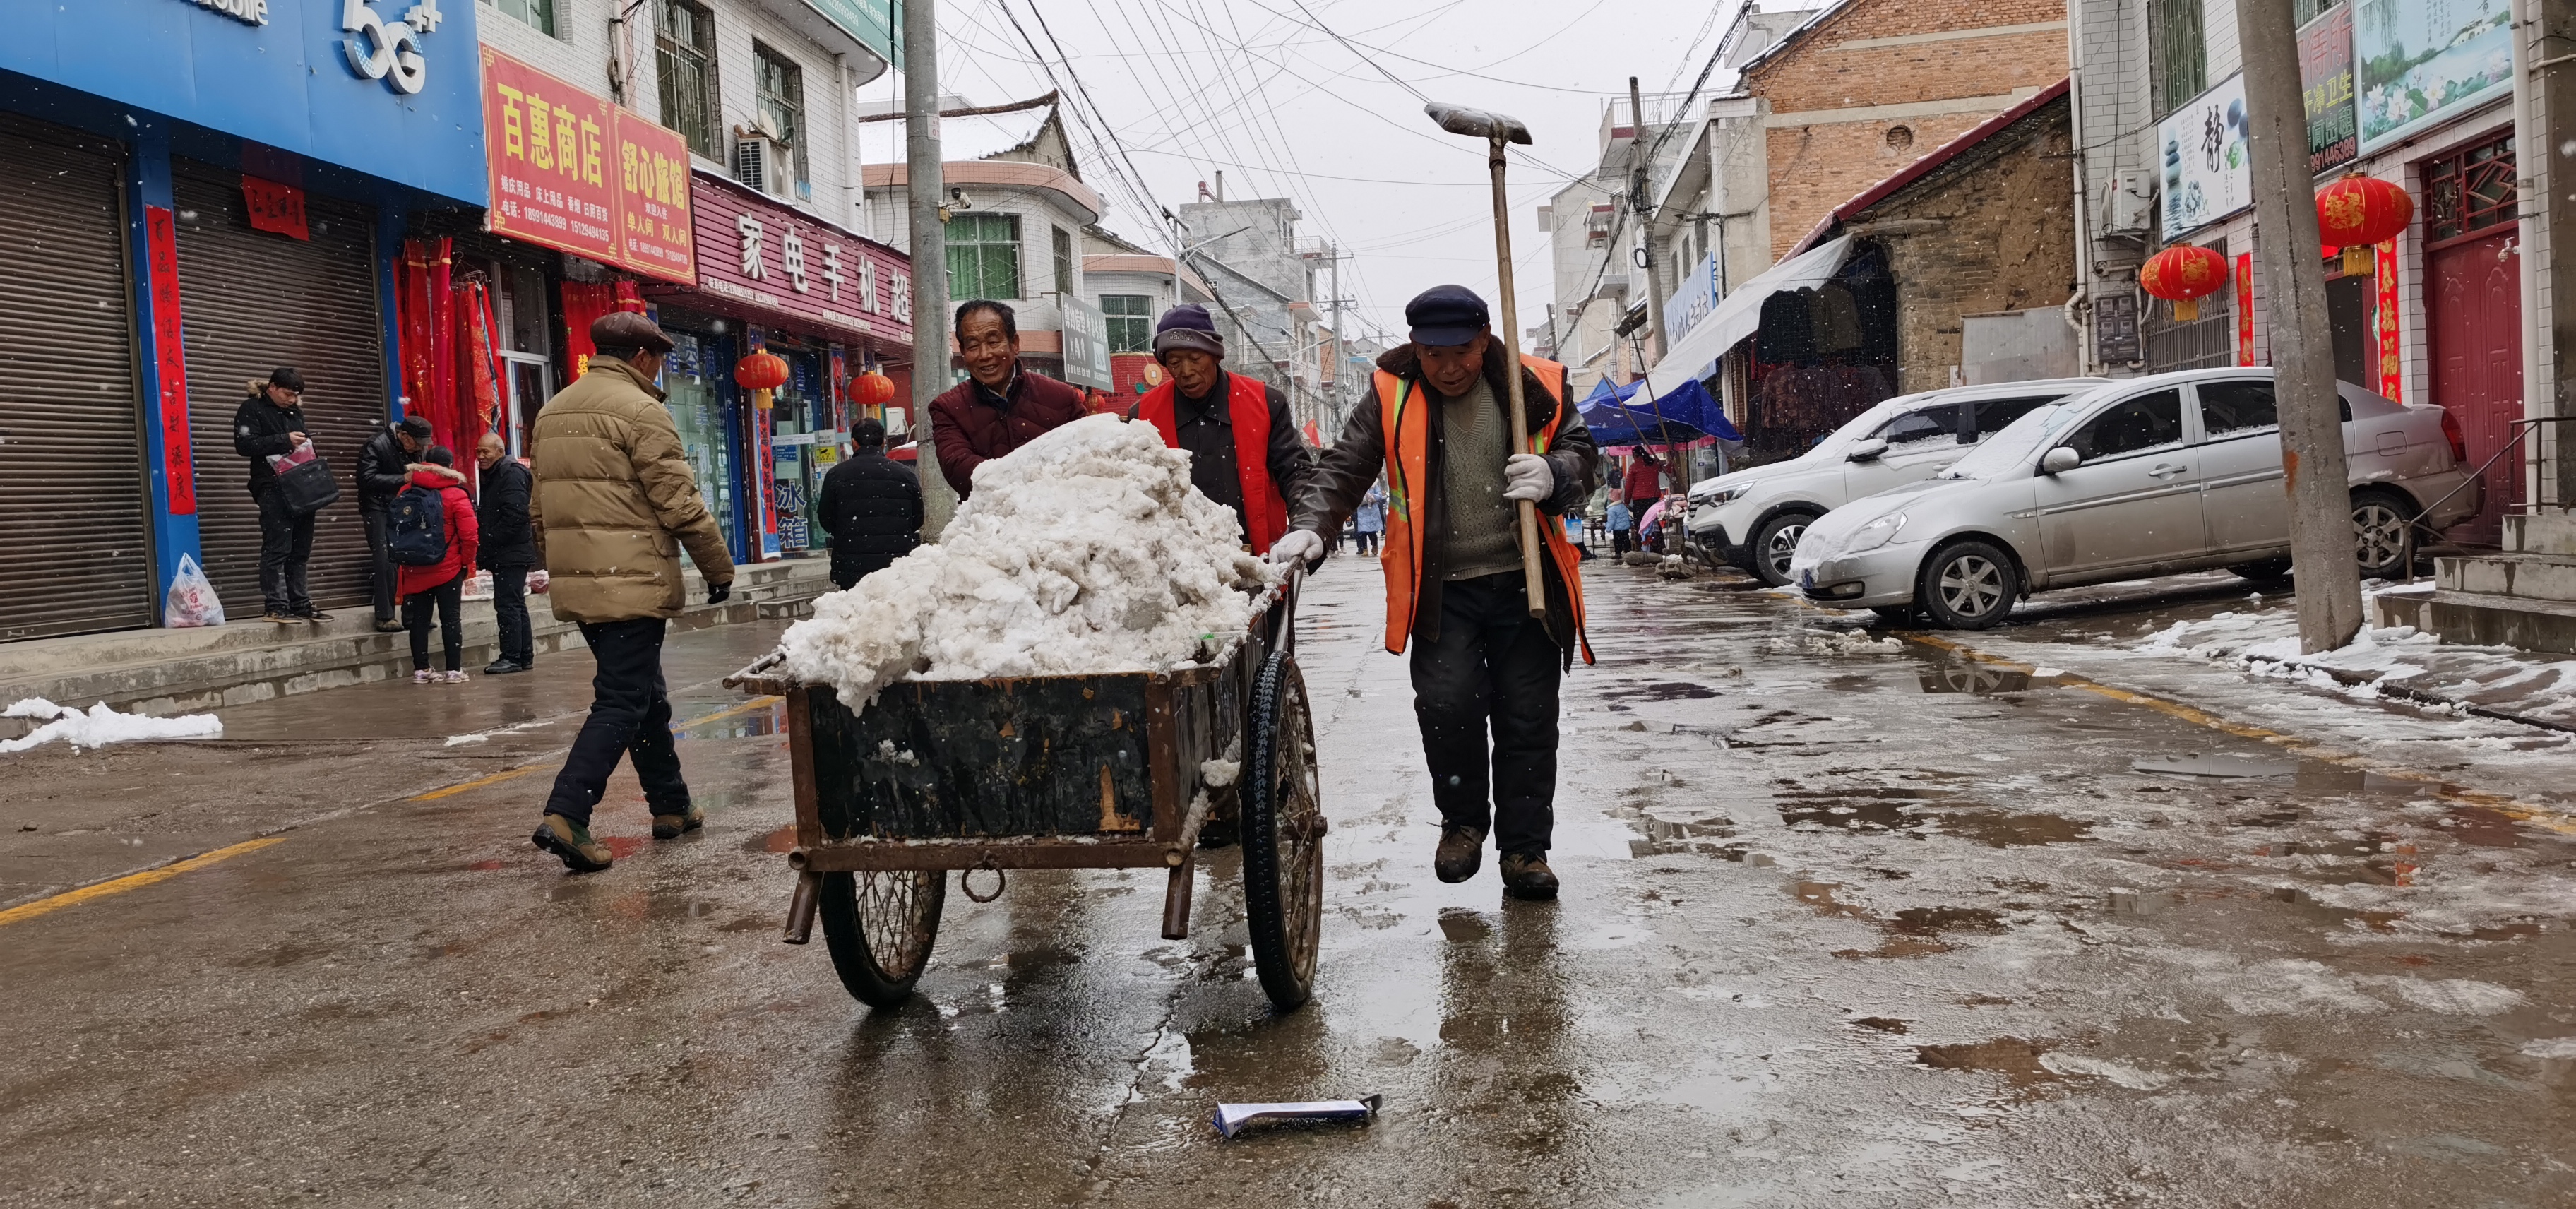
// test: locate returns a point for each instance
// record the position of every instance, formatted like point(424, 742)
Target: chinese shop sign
point(572, 172)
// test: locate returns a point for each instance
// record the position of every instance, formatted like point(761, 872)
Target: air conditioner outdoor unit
point(2129, 205)
point(764, 165)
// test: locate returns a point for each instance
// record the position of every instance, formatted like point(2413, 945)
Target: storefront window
point(800, 416)
point(689, 378)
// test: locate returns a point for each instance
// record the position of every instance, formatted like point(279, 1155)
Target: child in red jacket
point(441, 583)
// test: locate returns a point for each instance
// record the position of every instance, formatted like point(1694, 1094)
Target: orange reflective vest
point(1404, 414)
point(1265, 511)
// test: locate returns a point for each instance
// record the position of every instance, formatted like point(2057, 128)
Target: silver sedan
point(2147, 476)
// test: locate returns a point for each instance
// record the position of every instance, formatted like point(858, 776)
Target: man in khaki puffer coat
point(613, 504)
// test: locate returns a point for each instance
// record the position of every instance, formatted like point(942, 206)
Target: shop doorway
point(2473, 297)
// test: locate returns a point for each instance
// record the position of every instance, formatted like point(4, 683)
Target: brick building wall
point(1877, 84)
point(1993, 230)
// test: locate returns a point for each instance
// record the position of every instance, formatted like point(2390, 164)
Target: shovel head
point(1231, 1118)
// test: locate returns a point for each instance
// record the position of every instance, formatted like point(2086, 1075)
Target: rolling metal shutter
point(75, 538)
point(253, 301)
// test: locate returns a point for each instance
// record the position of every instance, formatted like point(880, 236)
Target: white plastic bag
point(192, 599)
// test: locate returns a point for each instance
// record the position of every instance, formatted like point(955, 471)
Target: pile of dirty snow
point(102, 726)
point(1085, 551)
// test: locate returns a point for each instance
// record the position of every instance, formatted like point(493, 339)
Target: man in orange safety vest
point(1438, 425)
point(1244, 449)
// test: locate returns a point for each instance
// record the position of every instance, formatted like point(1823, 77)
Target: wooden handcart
point(1116, 771)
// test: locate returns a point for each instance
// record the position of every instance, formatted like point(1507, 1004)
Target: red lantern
point(2184, 274)
point(872, 389)
point(762, 370)
point(2357, 213)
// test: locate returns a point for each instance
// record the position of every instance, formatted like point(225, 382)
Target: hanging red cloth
point(476, 381)
point(583, 304)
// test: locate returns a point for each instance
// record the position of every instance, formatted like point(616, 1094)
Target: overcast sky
point(1253, 87)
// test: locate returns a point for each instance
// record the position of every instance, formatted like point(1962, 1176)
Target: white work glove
point(1527, 476)
point(1299, 546)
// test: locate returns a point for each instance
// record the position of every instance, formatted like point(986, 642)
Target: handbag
point(307, 486)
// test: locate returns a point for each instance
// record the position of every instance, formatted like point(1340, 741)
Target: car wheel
point(2379, 533)
point(1776, 542)
point(1968, 586)
point(2263, 569)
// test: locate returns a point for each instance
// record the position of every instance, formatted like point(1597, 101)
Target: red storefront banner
point(2245, 308)
point(2392, 367)
point(275, 207)
point(572, 172)
point(780, 267)
point(178, 469)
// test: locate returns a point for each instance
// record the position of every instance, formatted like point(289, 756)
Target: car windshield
point(2020, 441)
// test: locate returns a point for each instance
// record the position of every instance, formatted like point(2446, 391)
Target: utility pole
point(924, 185)
point(1643, 207)
point(2285, 214)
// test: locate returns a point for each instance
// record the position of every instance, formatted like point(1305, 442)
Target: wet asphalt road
point(1847, 920)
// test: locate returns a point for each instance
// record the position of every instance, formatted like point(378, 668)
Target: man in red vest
point(1244, 451)
point(1438, 425)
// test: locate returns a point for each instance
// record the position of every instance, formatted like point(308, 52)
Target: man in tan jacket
point(613, 504)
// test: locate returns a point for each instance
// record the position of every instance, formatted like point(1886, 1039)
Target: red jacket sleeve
point(468, 534)
point(957, 459)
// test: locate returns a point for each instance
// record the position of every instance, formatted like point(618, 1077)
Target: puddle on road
point(1670, 690)
point(1907, 809)
point(781, 840)
point(2015, 1058)
point(771, 720)
point(1975, 678)
point(1998, 829)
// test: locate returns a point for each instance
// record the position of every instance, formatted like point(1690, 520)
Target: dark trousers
point(380, 561)
point(449, 599)
point(1492, 669)
point(1368, 544)
point(285, 542)
point(1619, 542)
point(510, 609)
point(630, 715)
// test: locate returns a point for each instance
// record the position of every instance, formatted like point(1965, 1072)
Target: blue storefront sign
point(389, 89)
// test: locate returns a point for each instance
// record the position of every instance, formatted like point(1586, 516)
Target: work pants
point(1492, 669)
point(285, 542)
point(380, 561)
point(449, 599)
point(630, 716)
point(510, 610)
point(1368, 544)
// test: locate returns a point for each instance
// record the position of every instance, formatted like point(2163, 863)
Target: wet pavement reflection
point(1848, 919)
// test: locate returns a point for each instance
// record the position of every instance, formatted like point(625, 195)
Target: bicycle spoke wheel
point(880, 927)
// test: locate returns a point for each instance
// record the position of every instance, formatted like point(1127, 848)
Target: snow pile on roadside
point(1086, 551)
point(2265, 642)
point(101, 726)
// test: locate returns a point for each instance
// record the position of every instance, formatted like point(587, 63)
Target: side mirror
point(1868, 451)
point(2060, 460)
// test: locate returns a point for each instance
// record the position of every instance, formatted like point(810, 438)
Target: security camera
point(957, 199)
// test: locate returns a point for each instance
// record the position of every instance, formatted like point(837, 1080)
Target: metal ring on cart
point(1001, 882)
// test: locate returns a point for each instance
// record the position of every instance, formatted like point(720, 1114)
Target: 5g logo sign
point(389, 50)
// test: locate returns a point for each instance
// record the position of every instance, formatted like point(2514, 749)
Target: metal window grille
point(2180, 50)
point(684, 57)
point(2470, 192)
point(778, 86)
point(1131, 322)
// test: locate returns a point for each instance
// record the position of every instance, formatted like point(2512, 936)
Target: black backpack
point(416, 527)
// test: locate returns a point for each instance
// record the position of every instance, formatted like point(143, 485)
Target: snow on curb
point(101, 726)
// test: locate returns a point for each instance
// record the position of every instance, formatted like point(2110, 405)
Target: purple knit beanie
point(1187, 326)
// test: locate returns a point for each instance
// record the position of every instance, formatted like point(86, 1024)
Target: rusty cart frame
point(1112, 771)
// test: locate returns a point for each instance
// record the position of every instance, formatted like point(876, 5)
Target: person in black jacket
point(384, 469)
point(270, 423)
point(509, 548)
point(871, 505)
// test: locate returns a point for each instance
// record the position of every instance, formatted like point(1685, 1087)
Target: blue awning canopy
point(1620, 415)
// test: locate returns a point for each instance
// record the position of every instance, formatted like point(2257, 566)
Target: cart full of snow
point(1049, 687)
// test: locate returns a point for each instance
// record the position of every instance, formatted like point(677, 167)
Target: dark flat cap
point(626, 329)
point(1446, 315)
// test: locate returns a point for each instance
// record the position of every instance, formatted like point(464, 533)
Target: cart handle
point(1288, 589)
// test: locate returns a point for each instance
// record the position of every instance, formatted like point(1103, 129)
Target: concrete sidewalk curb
point(174, 671)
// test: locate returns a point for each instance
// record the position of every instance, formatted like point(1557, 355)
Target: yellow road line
point(2503, 804)
point(476, 783)
point(756, 703)
point(132, 881)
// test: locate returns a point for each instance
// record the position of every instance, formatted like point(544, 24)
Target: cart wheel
point(880, 927)
point(1283, 835)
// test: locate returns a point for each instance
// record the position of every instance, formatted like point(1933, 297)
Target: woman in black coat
point(871, 507)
